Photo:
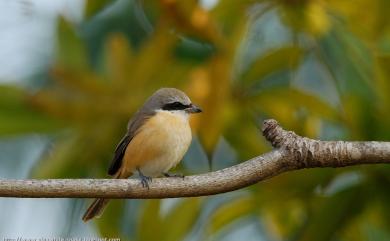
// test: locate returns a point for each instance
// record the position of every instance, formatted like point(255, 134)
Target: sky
point(27, 34)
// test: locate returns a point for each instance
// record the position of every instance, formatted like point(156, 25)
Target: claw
point(167, 174)
point(144, 179)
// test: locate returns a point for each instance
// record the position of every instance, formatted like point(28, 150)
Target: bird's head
point(173, 100)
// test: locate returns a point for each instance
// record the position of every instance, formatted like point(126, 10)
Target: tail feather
point(95, 209)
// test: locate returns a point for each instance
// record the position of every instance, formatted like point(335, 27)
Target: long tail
point(95, 209)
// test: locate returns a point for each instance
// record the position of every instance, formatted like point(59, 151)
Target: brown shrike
point(157, 138)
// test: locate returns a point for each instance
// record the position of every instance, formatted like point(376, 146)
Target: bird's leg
point(144, 179)
point(167, 174)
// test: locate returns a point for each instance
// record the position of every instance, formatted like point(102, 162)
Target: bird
point(158, 135)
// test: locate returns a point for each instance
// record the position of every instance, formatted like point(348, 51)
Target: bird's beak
point(193, 109)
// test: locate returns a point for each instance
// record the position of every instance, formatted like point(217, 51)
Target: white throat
point(178, 113)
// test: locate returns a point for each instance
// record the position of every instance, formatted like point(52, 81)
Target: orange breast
point(159, 144)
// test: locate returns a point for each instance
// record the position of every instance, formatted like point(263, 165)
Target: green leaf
point(230, 212)
point(150, 224)
point(17, 115)
point(92, 7)
point(71, 51)
point(182, 218)
point(245, 138)
point(274, 60)
point(282, 103)
point(332, 214)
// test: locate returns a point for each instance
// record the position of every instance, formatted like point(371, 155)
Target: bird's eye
point(175, 106)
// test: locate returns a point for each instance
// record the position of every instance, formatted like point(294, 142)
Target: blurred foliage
point(321, 68)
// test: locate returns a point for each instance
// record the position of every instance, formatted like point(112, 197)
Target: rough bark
point(292, 152)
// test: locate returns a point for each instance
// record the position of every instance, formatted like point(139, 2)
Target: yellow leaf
point(317, 18)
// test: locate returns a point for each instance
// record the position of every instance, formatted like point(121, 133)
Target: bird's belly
point(159, 145)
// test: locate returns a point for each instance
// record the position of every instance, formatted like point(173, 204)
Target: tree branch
point(292, 152)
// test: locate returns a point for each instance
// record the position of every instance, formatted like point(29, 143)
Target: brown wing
point(134, 124)
point(118, 156)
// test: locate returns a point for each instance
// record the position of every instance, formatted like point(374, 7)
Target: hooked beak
point(193, 109)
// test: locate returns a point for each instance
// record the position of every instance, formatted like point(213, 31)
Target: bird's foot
point(145, 180)
point(167, 174)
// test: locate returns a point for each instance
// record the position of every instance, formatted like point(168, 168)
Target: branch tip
point(272, 132)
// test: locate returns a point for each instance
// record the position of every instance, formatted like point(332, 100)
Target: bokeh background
point(72, 73)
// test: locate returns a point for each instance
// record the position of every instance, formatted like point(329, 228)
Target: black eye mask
point(175, 106)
